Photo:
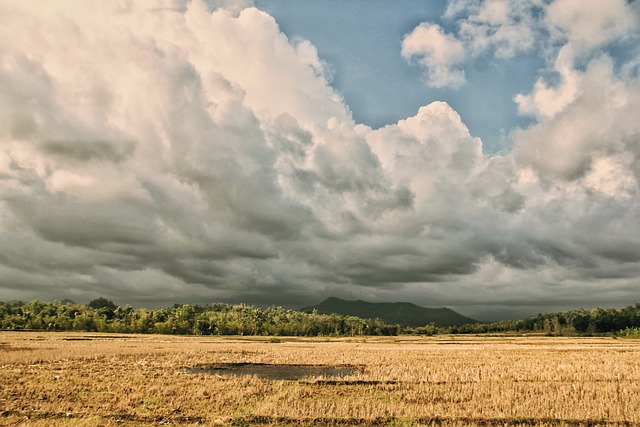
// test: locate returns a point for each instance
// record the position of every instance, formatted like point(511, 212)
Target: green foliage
point(214, 319)
point(633, 333)
point(581, 322)
point(225, 319)
point(102, 303)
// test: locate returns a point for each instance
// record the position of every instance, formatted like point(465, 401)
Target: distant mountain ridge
point(402, 313)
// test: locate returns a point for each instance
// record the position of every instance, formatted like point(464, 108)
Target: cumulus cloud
point(498, 28)
point(579, 33)
point(585, 25)
point(440, 54)
point(597, 124)
point(501, 27)
point(585, 127)
point(191, 153)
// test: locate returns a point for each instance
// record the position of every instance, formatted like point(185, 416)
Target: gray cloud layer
point(154, 155)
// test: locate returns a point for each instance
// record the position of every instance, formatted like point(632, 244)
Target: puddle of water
point(352, 382)
point(97, 337)
point(276, 372)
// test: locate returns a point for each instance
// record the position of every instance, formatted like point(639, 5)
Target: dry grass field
point(81, 379)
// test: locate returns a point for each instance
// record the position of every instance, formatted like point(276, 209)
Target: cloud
point(579, 33)
point(566, 32)
point(440, 54)
point(500, 27)
point(191, 153)
point(595, 125)
point(232, 6)
point(585, 130)
point(585, 25)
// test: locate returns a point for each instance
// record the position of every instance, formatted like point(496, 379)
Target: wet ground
point(277, 371)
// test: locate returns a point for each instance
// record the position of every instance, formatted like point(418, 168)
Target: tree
point(581, 321)
point(102, 303)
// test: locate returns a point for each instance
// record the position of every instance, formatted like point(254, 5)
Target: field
point(81, 379)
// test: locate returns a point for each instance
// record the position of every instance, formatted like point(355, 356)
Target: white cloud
point(546, 100)
point(502, 27)
point(276, 76)
point(585, 25)
point(499, 28)
point(585, 129)
point(440, 54)
point(579, 32)
point(598, 123)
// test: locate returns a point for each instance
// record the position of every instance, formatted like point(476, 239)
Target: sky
point(479, 155)
point(361, 40)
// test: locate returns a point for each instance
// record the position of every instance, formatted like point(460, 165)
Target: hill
point(402, 313)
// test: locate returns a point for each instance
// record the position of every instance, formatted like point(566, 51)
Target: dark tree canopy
point(102, 303)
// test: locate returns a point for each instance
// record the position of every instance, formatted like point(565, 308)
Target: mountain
point(402, 313)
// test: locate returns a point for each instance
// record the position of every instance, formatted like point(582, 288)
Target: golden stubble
point(76, 379)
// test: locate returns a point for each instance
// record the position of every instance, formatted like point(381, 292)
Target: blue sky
point(361, 41)
point(479, 155)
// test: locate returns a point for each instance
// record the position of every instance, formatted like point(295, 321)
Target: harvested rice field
point(88, 379)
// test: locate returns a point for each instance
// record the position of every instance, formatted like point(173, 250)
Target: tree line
point(102, 315)
point(622, 322)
